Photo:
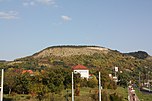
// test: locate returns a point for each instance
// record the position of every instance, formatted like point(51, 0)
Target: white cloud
point(29, 3)
point(37, 2)
point(66, 18)
point(48, 2)
point(9, 15)
point(25, 3)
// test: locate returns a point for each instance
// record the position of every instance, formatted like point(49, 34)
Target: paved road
point(132, 95)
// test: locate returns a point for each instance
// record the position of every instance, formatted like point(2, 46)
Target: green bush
point(115, 97)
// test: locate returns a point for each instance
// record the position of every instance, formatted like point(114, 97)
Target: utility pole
point(99, 87)
point(2, 80)
point(72, 88)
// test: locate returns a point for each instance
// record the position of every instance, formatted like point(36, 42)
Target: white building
point(84, 71)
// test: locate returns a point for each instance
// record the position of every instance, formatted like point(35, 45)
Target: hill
point(64, 51)
point(91, 56)
point(139, 54)
point(58, 60)
point(94, 57)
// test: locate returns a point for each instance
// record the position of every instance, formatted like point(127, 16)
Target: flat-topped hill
point(64, 51)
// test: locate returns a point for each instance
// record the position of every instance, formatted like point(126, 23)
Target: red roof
point(27, 71)
point(79, 67)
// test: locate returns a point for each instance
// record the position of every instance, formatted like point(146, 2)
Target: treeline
point(102, 60)
point(37, 82)
point(40, 83)
point(139, 54)
point(97, 61)
point(52, 74)
point(109, 60)
point(127, 64)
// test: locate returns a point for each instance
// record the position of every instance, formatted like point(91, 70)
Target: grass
point(143, 96)
point(18, 97)
point(121, 91)
point(85, 95)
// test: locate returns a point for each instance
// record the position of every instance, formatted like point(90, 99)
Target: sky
point(29, 26)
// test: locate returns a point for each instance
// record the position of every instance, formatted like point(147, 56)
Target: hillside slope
point(64, 51)
point(90, 56)
point(94, 57)
point(139, 54)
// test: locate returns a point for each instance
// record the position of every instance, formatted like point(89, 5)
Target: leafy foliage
point(52, 72)
point(139, 54)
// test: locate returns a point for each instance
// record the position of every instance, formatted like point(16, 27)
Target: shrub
point(115, 97)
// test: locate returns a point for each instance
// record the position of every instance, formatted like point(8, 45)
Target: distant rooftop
point(27, 71)
point(79, 67)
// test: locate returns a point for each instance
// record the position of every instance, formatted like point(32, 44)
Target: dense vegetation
point(139, 54)
point(52, 71)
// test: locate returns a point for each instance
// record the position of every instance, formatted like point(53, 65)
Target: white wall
point(84, 73)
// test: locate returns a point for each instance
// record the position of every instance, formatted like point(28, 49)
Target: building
point(27, 71)
point(84, 71)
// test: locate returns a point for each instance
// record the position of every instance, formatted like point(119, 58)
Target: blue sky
point(28, 26)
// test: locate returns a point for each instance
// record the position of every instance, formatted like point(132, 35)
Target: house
point(84, 71)
point(27, 71)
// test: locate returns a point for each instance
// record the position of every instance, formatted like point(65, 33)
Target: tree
point(22, 83)
point(67, 78)
point(39, 89)
point(54, 80)
point(92, 82)
point(123, 79)
point(10, 79)
point(77, 80)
